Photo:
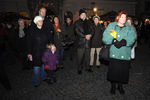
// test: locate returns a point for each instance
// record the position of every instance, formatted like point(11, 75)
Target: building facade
point(13, 6)
point(103, 6)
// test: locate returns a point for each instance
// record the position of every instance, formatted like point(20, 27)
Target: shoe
point(90, 70)
point(120, 88)
point(79, 72)
point(36, 85)
point(50, 81)
point(98, 66)
point(54, 79)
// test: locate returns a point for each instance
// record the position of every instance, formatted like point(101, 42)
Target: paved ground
point(88, 86)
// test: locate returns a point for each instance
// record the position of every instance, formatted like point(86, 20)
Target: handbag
point(104, 53)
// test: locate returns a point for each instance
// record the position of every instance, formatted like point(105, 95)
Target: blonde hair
point(49, 46)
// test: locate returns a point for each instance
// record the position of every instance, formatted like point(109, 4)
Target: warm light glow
point(95, 9)
point(101, 21)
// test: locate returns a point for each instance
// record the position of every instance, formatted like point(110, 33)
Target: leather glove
point(121, 43)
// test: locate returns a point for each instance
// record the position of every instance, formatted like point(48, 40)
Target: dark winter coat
point(12, 37)
point(83, 28)
point(47, 26)
point(59, 38)
point(21, 42)
point(37, 40)
point(69, 32)
point(96, 40)
point(50, 59)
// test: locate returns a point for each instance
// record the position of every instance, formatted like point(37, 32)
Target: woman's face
point(40, 23)
point(129, 22)
point(56, 20)
point(122, 19)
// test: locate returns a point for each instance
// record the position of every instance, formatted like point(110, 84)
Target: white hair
point(37, 18)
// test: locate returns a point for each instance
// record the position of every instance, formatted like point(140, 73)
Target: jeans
point(38, 73)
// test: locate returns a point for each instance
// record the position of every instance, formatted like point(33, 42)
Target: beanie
point(81, 11)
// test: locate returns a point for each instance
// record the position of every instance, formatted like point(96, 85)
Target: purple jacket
point(50, 59)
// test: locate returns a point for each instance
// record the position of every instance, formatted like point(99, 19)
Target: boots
point(113, 88)
point(120, 88)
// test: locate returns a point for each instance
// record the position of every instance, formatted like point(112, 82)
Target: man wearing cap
point(96, 41)
point(84, 31)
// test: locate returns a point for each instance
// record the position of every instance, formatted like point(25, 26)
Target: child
point(50, 61)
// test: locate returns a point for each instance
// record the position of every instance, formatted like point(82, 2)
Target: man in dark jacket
point(96, 41)
point(84, 32)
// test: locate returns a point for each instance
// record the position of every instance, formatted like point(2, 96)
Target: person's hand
point(88, 37)
point(121, 43)
point(114, 41)
point(58, 30)
point(30, 57)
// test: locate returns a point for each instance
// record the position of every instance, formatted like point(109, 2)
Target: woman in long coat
point(122, 36)
point(37, 40)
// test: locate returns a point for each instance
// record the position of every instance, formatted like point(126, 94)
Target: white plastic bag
point(133, 53)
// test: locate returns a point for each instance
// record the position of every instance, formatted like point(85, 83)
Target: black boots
point(113, 88)
point(120, 88)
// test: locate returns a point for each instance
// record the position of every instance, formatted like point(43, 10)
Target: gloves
point(121, 43)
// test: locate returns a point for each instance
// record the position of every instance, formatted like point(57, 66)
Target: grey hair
point(20, 19)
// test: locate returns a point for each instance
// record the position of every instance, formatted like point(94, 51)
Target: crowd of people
point(42, 46)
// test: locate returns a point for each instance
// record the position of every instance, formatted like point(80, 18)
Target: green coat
point(127, 33)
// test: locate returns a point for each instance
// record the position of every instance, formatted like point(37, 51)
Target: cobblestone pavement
point(88, 86)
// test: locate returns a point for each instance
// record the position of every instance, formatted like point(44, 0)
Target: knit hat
point(81, 11)
point(37, 18)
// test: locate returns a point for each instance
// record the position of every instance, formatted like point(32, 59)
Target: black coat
point(96, 40)
point(37, 40)
point(47, 26)
point(81, 31)
point(59, 38)
point(69, 32)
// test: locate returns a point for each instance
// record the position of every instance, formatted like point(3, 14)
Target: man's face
point(83, 16)
point(21, 23)
point(68, 20)
point(42, 12)
point(96, 20)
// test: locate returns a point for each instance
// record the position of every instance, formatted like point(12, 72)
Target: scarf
point(21, 32)
point(56, 27)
